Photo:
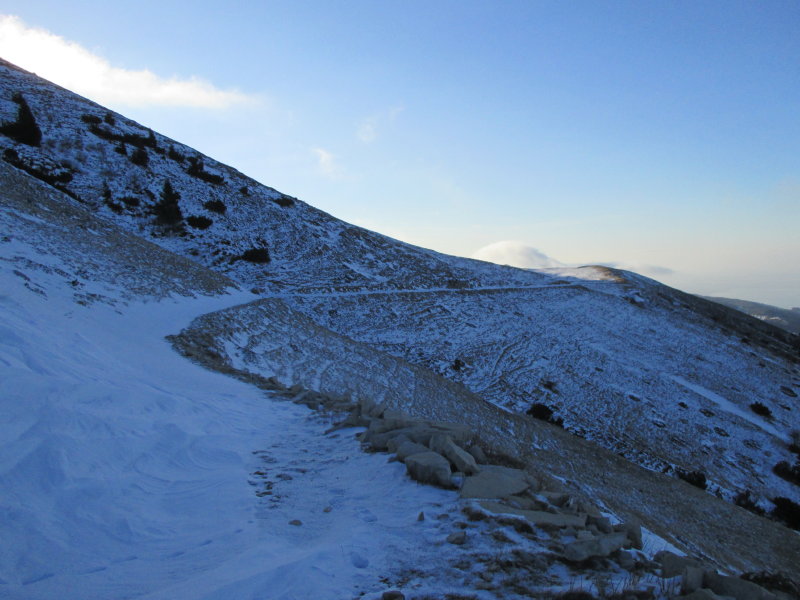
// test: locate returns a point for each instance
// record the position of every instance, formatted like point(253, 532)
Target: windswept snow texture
point(127, 471)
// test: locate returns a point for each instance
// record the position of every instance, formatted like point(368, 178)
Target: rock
point(457, 537)
point(296, 522)
point(460, 459)
point(409, 448)
point(495, 482)
point(691, 579)
point(421, 516)
point(327, 509)
point(555, 498)
point(604, 545)
point(394, 443)
point(701, 594)
point(735, 587)
point(626, 560)
point(634, 532)
point(603, 524)
point(673, 565)
point(537, 517)
point(393, 595)
point(429, 467)
point(477, 453)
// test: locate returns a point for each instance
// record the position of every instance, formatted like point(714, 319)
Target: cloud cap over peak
point(516, 254)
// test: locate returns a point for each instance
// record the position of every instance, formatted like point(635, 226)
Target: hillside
point(780, 317)
point(109, 221)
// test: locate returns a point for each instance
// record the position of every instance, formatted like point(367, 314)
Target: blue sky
point(659, 136)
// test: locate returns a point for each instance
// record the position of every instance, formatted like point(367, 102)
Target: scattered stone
point(296, 522)
point(537, 517)
point(457, 537)
point(691, 579)
point(327, 509)
point(429, 467)
point(601, 546)
point(495, 482)
point(460, 459)
point(603, 524)
point(626, 560)
point(409, 448)
point(739, 589)
point(478, 454)
point(393, 595)
point(673, 565)
point(394, 443)
point(701, 594)
point(421, 516)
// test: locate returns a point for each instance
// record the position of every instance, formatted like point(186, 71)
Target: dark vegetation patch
point(284, 201)
point(167, 210)
point(746, 501)
point(140, 157)
point(255, 255)
point(458, 364)
point(217, 206)
point(787, 511)
point(244, 191)
point(58, 178)
point(136, 140)
point(173, 154)
point(197, 169)
point(199, 222)
point(91, 119)
point(130, 201)
point(696, 478)
point(706, 412)
point(544, 412)
point(761, 409)
point(24, 130)
point(790, 473)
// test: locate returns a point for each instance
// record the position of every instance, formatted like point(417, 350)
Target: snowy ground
point(126, 471)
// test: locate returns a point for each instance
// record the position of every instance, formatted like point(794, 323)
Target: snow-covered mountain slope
point(662, 377)
point(127, 471)
point(211, 212)
point(636, 369)
point(780, 317)
point(267, 339)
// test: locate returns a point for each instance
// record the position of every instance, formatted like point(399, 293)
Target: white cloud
point(642, 269)
point(367, 130)
point(515, 254)
point(326, 162)
point(74, 67)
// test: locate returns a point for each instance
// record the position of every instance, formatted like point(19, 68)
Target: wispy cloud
point(76, 68)
point(642, 269)
point(516, 254)
point(326, 163)
point(368, 128)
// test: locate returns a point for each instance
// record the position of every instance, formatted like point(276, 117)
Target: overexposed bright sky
point(660, 137)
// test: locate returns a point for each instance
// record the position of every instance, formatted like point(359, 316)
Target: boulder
point(702, 594)
point(409, 448)
point(603, 524)
point(537, 517)
point(429, 467)
point(460, 459)
point(691, 579)
point(673, 565)
point(734, 587)
point(495, 482)
point(477, 453)
point(457, 537)
point(601, 546)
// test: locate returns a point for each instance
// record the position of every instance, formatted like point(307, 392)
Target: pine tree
point(168, 211)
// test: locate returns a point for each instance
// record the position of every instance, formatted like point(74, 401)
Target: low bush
point(173, 154)
point(746, 501)
point(217, 206)
point(168, 211)
point(788, 472)
point(140, 157)
point(199, 222)
point(256, 255)
point(197, 169)
point(24, 130)
point(696, 478)
point(787, 511)
point(544, 413)
point(761, 409)
point(284, 201)
point(91, 119)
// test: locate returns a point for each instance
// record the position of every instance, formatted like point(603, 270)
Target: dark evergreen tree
point(24, 130)
point(168, 211)
point(140, 157)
